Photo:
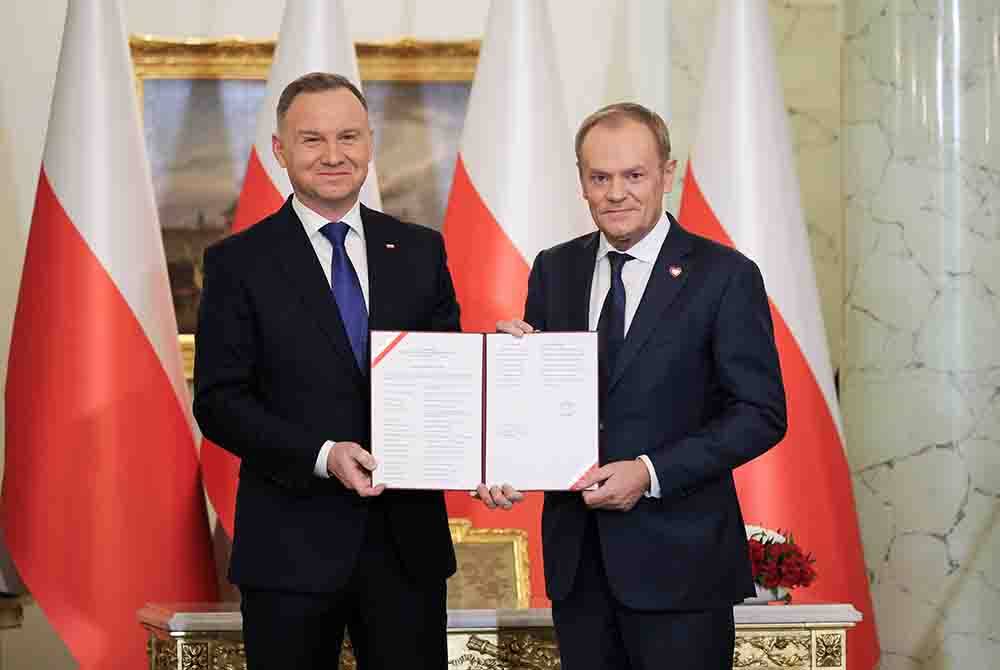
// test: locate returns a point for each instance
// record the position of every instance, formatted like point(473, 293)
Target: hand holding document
point(454, 410)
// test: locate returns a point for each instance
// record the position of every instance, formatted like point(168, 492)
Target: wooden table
point(789, 637)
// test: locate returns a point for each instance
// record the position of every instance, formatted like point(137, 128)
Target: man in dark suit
point(281, 380)
point(644, 569)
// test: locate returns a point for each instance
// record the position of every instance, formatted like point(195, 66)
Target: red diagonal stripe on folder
point(389, 347)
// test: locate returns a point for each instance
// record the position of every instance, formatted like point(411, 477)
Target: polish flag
point(741, 189)
point(314, 38)
point(102, 507)
point(514, 193)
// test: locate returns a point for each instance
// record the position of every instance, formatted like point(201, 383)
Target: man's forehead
point(337, 101)
point(619, 132)
point(618, 151)
point(308, 128)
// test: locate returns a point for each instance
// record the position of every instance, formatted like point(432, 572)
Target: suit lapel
point(580, 277)
point(298, 259)
point(378, 264)
point(661, 290)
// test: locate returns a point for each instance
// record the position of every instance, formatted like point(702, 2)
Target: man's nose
point(616, 189)
point(333, 154)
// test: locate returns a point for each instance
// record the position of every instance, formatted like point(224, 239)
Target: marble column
point(921, 365)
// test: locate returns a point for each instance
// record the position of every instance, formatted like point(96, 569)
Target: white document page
point(541, 409)
point(427, 416)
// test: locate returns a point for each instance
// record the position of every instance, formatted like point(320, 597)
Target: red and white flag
point(102, 506)
point(314, 38)
point(514, 193)
point(741, 189)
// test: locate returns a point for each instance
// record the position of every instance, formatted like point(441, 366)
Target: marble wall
point(921, 366)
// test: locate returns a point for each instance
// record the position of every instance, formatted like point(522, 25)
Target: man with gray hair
point(644, 562)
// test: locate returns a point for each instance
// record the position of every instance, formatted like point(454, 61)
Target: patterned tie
point(611, 324)
point(347, 292)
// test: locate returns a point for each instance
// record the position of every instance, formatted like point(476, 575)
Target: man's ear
point(669, 172)
point(278, 149)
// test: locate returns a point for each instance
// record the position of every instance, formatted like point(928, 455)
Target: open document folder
point(453, 410)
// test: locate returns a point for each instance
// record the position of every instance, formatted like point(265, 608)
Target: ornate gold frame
point(238, 58)
point(405, 60)
point(462, 532)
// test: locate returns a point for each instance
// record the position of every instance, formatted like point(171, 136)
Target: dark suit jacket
point(698, 389)
point(275, 378)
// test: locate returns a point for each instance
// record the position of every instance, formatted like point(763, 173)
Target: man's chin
point(339, 194)
point(620, 220)
point(616, 229)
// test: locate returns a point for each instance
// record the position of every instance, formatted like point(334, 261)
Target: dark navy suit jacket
point(275, 378)
point(697, 387)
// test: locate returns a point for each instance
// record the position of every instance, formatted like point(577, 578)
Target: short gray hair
point(613, 115)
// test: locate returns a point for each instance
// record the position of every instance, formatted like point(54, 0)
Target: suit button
point(600, 426)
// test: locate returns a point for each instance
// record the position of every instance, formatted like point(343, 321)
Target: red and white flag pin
point(675, 271)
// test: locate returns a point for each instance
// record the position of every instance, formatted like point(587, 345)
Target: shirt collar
point(646, 249)
point(312, 221)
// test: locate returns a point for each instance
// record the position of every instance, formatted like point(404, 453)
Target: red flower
point(780, 563)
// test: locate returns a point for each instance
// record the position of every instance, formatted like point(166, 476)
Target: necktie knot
point(618, 261)
point(336, 232)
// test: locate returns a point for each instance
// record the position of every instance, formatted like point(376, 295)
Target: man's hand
point(620, 485)
point(515, 327)
point(498, 496)
point(353, 466)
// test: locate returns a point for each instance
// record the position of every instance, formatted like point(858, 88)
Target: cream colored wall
point(606, 50)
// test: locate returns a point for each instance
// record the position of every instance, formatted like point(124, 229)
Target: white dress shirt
point(635, 276)
point(354, 244)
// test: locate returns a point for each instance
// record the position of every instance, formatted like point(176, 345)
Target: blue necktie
point(611, 324)
point(347, 292)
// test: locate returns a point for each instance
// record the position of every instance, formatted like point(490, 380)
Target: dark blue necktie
point(611, 324)
point(347, 292)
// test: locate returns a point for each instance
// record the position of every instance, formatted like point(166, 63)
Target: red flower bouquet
point(778, 562)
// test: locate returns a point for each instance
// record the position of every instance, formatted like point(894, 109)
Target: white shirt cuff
point(654, 482)
point(320, 468)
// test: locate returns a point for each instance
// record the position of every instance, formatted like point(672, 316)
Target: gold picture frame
point(508, 547)
point(406, 61)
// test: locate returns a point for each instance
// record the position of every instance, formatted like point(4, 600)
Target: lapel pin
point(675, 271)
point(390, 245)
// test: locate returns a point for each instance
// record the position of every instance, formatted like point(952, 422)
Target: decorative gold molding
point(202, 651)
point(785, 649)
point(413, 60)
point(787, 646)
point(530, 650)
point(527, 649)
point(405, 60)
point(186, 343)
point(462, 532)
point(227, 58)
point(830, 650)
